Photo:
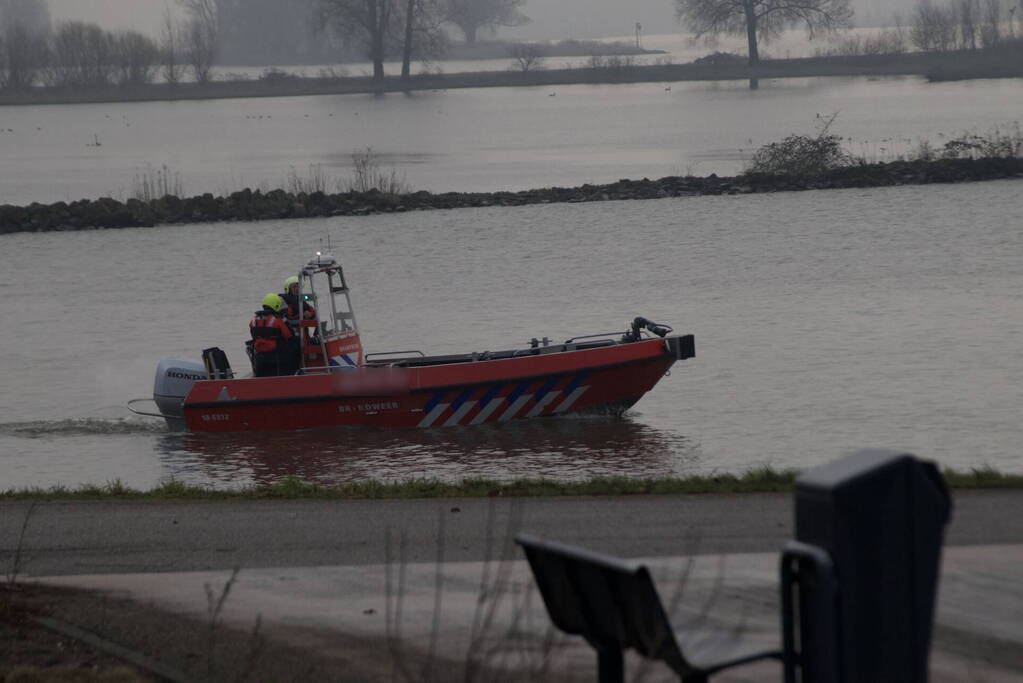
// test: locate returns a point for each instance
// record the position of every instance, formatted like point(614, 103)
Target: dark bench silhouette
point(615, 606)
point(858, 585)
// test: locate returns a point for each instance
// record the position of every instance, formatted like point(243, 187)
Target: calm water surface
point(825, 321)
point(479, 139)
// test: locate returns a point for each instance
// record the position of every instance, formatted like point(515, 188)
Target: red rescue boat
point(340, 385)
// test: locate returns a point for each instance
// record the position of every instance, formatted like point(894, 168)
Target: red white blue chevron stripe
point(343, 360)
point(503, 402)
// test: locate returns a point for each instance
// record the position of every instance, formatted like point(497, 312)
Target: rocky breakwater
point(254, 205)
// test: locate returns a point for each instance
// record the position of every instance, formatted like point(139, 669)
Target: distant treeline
point(77, 54)
point(72, 56)
point(497, 49)
point(956, 25)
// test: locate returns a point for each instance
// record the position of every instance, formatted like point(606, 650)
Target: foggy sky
point(552, 19)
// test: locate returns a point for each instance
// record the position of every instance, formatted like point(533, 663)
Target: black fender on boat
point(681, 347)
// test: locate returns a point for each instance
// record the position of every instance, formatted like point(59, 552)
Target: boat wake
point(80, 427)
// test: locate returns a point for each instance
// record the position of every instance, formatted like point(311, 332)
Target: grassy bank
point(943, 65)
point(759, 480)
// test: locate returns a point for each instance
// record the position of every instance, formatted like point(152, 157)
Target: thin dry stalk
point(643, 668)
point(394, 599)
point(527, 653)
point(19, 549)
point(214, 607)
point(367, 176)
point(255, 648)
point(151, 183)
point(438, 593)
point(315, 179)
point(491, 592)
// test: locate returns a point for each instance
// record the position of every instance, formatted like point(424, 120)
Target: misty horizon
point(550, 20)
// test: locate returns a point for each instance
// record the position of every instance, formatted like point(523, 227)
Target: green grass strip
point(759, 480)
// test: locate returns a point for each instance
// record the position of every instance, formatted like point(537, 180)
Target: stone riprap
point(254, 205)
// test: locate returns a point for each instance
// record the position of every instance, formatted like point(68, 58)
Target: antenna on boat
point(328, 250)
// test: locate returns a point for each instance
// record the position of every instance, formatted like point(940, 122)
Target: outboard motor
point(174, 379)
point(217, 365)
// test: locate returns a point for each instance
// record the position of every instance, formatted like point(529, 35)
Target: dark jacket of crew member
point(293, 303)
point(272, 340)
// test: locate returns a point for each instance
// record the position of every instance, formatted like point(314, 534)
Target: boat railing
point(319, 369)
point(478, 356)
point(582, 345)
point(609, 336)
point(394, 353)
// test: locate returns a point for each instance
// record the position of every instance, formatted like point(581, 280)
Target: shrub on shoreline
point(802, 155)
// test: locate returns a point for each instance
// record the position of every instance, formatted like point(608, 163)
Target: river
point(825, 321)
point(483, 139)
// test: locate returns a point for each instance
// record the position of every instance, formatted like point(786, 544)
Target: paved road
point(335, 602)
point(177, 536)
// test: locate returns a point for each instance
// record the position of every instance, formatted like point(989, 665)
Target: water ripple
point(80, 427)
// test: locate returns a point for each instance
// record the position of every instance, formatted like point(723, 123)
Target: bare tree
point(934, 27)
point(200, 50)
point(19, 57)
point(170, 48)
point(761, 20)
point(411, 13)
point(368, 23)
point(472, 15)
point(33, 15)
point(527, 56)
point(968, 11)
point(423, 37)
point(202, 36)
point(136, 56)
point(81, 56)
point(991, 28)
point(24, 26)
point(205, 11)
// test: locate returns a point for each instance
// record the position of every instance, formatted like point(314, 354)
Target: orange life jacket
point(267, 332)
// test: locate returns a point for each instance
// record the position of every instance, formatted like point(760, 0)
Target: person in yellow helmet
point(293, 303)
point(272, 340)
point(291, 300)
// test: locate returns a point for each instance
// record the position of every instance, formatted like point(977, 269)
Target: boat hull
point(608, 379)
